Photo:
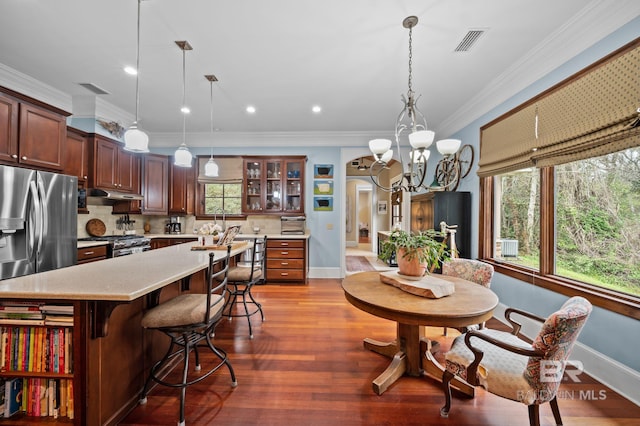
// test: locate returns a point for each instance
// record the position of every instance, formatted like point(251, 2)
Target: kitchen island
point(111, 352)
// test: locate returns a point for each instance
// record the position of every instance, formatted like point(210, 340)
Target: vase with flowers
point(210, 232)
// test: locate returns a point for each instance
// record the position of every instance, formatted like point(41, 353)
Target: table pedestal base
point(411, 354)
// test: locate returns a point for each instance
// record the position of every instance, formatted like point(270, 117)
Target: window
point(572, 228)
point(219, 197)
point(517, 218)
point(597, 210)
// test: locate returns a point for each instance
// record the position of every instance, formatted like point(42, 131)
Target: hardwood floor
point(307, 366)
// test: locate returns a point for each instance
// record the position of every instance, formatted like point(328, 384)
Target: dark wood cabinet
point(8, 129)
point(31, 135)
point(155, 182)
point(92, 254)
point(181, 190)
point(287, 260)
point(273, 185)
point(454, 208)
point(77, 155)
point(111, 167)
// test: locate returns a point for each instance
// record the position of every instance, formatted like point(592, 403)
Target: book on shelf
point(13, 396)
point(25, 307)
point(57, 309)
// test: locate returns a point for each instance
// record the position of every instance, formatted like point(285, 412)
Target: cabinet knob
point(84, 177)
point(24, 157)
point(14, 156)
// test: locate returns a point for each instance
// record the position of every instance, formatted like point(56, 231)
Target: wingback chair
point(510, 367)
point(470, 270)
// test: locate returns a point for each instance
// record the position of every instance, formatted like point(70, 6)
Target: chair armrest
point(472, 370)
point(516, 325)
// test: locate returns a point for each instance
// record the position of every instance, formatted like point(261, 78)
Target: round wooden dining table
point(411, 354)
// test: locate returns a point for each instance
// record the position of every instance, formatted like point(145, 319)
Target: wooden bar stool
point(189, 319)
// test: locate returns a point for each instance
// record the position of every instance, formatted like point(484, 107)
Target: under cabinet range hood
point(101, 194)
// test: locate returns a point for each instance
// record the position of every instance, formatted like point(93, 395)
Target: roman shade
point(592, 113)
point(230, 170)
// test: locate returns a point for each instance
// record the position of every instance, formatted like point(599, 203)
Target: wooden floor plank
point(307, 366)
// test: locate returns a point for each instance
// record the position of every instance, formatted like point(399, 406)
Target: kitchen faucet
point(224, 218)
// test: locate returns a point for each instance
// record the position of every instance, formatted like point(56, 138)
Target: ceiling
point(284, 56)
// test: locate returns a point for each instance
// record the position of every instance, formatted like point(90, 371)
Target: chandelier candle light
point(211, 168)
point(136, 140)
point(420, 138)
point(182, 156)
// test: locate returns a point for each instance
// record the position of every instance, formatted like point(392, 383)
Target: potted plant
point(416, 253)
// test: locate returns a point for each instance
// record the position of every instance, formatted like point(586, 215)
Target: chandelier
point(182, 156)
point(136, 140)
point(413, 123)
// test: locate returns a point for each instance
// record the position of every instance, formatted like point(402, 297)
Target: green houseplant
point(416, 253)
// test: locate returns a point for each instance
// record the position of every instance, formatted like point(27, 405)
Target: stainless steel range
point(122, 245)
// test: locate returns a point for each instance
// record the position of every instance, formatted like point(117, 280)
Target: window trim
point(620, 303)
point(200, 200)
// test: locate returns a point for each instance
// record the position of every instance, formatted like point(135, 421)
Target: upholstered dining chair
point(470, 270)
point(510, 367)
point(242, 278)
point(189, 319)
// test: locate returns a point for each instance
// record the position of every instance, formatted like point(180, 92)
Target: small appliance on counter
point(292, 225)
point(174, 226)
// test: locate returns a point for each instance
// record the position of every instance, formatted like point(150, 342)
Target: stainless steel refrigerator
point(38, 216)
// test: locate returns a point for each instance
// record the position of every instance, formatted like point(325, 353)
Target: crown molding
point(598, 19)
point(29, 86)
point(272, 139)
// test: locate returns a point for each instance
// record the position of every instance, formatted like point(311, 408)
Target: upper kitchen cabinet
point(77, 155)
point(155, 184)
point(273, 185)
point(181, 189)
point(111, 167)
point(31, 135)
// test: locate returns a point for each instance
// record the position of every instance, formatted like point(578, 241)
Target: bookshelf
point(37, 352)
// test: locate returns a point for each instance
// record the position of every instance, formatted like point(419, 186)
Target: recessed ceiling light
point(251, 109)
point(130, 70)
point(317, 109)
point(185, 110)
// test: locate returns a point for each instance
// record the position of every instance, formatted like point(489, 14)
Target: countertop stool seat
point(189, 319)
point(242, 278)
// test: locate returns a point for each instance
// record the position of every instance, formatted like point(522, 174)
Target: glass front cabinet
point(273, 185)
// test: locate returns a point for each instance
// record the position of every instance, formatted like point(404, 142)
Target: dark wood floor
point(306, 366)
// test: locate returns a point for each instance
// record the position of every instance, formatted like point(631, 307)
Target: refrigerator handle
point(44, 223)
point(36, 220)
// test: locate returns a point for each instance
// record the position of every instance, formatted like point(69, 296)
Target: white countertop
point(124, 278)
point(238, 237)
point(84, 244)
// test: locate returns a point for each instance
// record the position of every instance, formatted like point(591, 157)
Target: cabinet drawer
point(285, 253)
point(285, 264)
point(285, 243)
point(284, 275)
point(90, 254)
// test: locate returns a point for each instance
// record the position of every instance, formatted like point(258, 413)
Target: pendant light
point(182, 156)
point(136, 140)
point(211, 168)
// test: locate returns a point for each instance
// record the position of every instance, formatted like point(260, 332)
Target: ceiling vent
point(469, 40)
point(93, 88)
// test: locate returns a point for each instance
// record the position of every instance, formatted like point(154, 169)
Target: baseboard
point(324, 273)
point(607, 371)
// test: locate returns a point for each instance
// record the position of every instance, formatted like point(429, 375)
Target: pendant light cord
point(184, 99)
point(211, 97)
point(138, 63)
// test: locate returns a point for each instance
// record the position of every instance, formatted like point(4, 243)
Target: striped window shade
point(592, 113)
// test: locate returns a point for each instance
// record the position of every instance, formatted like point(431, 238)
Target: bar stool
point(189, 319)
point(241, 279)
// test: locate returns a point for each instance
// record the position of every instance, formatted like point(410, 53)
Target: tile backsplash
point(267, 224)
